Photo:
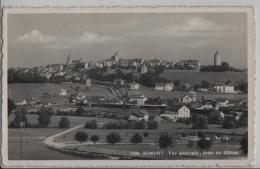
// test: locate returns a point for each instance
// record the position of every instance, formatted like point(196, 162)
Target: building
point(138, 99)
point(179, 111)
point(166, 86)
point(188, 98)
point(220, 88)
point(134, 86)
point(63, 92)
point(217, 59)
point(188, 64)
point(88, 82)
point(144, 69)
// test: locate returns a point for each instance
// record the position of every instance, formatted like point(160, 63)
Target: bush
point(81, 136)
point(204, 144)
point(145, 134)
point(80, 111)
point(113, 138)
point(91, 124)
point(136, 138)
point(94, 138)
point(151, 124)
point(201, 134)
point(139, 124)
point(64, 122)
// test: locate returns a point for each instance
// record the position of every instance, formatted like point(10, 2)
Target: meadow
point(194, 77)
point(18, 91)
point(150, 92)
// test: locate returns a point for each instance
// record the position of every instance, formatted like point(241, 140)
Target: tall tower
point(217, 59)
point(68, 60)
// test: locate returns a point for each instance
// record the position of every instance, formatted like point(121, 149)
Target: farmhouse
point(179, 111)
point(189, 98)
point(166, 86)
point(138, 117)
point(221, 88)
point(138, 99)
point(63, 92)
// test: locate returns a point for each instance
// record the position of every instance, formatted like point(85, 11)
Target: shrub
point(145, 134)
point(204, 144)
point(91, 124)
point(80, 111)
point(200, 122)
point(151, 124)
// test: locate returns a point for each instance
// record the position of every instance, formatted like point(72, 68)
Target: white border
point(135, 163)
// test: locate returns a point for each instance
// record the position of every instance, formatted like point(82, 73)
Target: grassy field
point(19, 91)
point(33, 147)
point(193, 77)
point(174, 129)
point(74, 120)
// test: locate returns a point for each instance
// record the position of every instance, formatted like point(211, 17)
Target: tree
point(80, 111)
point(204, 144)
point(11, 106)
point(225, 66)
point(165, 141)
point(145, 134)
point(45, 114)
point(244, 145)
point(91, 124)
point(81, 136)
point(113, 138)
point(94, 138)
point(64, 122)
point(20, 116)
point(200, 122)
point(152, 124)
point(136, 138)
point(228, 124)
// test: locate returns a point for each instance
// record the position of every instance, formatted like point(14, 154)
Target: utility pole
point(21, 139)
point(157, 133)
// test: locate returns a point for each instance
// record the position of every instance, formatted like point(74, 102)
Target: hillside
point(193, 77)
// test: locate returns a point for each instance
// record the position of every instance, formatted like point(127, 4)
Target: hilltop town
point(136, 94)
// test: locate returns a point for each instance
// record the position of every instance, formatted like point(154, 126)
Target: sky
point(41, 39)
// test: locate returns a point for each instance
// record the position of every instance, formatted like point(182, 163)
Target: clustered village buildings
point(185, 103)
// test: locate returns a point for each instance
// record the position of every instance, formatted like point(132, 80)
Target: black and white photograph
point(140, 85)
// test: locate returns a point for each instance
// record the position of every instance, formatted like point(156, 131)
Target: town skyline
point(193, 36)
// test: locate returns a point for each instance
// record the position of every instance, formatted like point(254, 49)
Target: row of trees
point(142, 124)
point(44, 119)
